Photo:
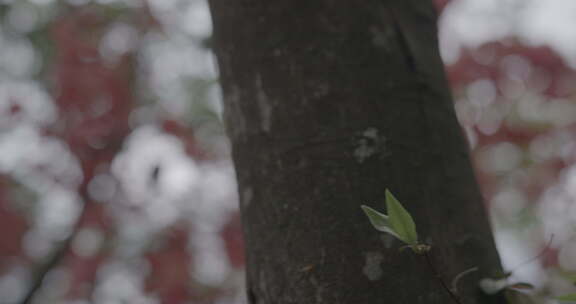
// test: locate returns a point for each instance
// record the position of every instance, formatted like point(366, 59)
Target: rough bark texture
point(328, 103)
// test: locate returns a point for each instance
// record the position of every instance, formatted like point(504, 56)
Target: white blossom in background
point(470, 23)
point(204, 194)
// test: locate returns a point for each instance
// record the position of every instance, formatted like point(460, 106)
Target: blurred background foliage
point(116, 184)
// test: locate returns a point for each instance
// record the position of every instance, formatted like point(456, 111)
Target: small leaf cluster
point(571, 297)
point(398, 223)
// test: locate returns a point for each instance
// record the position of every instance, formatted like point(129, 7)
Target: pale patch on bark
point(372, 269)
point(321, 90)
point(388, 240)
point(247, 195)
point(369, 144)
point(319, 289)
point(233, 113)
point(263, 105)
point(381, 38)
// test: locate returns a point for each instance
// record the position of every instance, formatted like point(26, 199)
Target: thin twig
point(459, 277)
point(437, 275)
point(54, 260)
point(540, 254)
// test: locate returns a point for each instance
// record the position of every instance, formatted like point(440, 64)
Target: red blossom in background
point(170, 266)
point(95, 97)
point(526, 84)
point(12, 226)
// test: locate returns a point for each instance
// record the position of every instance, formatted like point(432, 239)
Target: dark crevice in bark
point(441, 280)
point(404, 45)
point(252, 299)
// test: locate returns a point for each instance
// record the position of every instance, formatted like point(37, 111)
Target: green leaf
point(492, 286)
point(571, 297)
point(516, 297)
point(521, 286)
point(570, 276)
point(379, 220)
point(400, 220)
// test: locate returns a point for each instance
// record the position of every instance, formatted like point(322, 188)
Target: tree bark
point(327, 104)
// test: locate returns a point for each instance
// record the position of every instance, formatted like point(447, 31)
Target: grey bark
point(327, 104)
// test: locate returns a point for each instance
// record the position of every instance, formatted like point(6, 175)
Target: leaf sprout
point(398, 223)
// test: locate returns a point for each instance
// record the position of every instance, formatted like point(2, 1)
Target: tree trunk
point(328, 103)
